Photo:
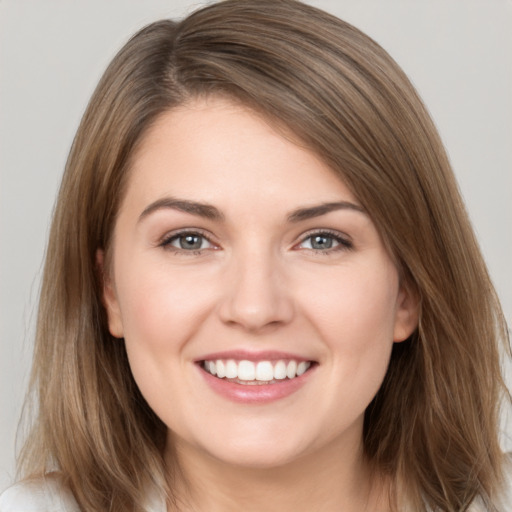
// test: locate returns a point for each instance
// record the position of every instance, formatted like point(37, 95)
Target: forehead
point(214, 149)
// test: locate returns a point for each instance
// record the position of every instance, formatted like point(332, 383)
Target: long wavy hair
point(433, 425)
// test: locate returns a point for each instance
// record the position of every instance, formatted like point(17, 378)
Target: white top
point(49, 495)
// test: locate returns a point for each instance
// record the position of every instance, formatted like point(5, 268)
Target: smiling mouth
point(255, 373)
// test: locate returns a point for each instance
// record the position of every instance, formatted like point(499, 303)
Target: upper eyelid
point(331, 232)
point(170, 235)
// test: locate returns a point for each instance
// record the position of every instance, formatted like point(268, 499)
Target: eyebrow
point(302, 214)
point(210, 212)
point(183, 205)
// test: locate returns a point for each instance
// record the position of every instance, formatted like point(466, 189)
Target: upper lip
point(247, 355)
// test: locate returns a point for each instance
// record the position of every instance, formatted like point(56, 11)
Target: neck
point(332, 479)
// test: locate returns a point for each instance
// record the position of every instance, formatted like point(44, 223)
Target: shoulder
point(42, 495)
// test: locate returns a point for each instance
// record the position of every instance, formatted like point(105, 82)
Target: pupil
point(321, 242)
point(190, 242)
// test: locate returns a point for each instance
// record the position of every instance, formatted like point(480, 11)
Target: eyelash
point(167, 241)
point(343, 243)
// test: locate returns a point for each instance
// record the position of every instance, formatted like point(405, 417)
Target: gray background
point(457, 52)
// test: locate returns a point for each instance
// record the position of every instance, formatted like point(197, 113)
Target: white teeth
point(291, 369)
point(221, 369)
point(246, 370)
point(231, 369)
point(280, 370)
point(263, 371)
point(301, 368)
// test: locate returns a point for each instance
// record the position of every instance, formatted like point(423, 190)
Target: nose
point(256, 296)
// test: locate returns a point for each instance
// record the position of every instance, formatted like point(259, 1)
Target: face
point(256, 299)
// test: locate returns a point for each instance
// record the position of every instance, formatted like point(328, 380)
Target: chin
point(265, 449)
point(257, 458)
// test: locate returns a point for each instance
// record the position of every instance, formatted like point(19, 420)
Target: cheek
point(359, 312)
point(356, 321)
point(159, 305)
point(161, 310)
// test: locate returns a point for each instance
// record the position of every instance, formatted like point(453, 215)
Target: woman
point(261, 290)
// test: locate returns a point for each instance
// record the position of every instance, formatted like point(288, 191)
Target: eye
point(324, 241)
point(188, 241)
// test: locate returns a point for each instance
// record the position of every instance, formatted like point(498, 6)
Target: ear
point(407, 313)
point(115, 323)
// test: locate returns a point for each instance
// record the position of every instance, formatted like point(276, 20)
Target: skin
point(256, 284)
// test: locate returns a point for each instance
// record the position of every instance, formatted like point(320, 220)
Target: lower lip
point(255, 393)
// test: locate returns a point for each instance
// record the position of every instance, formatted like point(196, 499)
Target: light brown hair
point(433, 425)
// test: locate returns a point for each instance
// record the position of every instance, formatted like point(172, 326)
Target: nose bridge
point(256, 294)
